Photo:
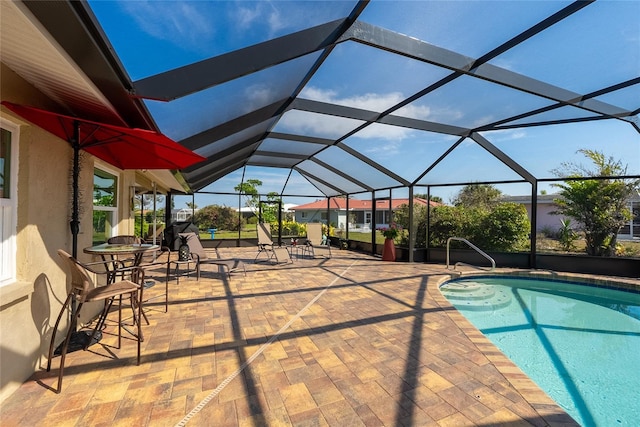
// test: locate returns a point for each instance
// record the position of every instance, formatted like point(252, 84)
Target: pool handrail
point(472, 246)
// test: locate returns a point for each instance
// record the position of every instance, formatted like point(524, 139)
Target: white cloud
point(318, 125)
point(257, 96)
point(249, 15)
point(328, 126)
point(505, 135)
point(245, 16)
point(181, 23)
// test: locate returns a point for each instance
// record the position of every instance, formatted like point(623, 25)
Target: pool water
point(580, 344)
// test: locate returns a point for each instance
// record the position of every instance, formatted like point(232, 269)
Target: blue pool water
point(580, 344)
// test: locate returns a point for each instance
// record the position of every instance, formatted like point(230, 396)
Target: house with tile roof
point(359, 212)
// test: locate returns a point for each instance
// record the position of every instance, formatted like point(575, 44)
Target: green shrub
point(219, 217)
point(505, 227)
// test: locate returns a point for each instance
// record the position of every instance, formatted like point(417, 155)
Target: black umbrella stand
point(79, 340)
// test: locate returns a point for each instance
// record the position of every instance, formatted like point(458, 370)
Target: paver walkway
point(346, 341)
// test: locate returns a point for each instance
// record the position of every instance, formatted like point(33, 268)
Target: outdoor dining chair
point(200, 256)
point(84, 290)
point(150, 261)
point(315, 238)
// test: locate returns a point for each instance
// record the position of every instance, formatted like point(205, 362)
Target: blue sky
point(596, 47)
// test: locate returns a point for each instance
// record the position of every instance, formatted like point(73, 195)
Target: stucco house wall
point(29, 306)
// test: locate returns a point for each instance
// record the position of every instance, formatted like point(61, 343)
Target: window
point(8, 200)
point(105, 205)
point(304, 214)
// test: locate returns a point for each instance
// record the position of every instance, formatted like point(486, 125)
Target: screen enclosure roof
point(358, 96)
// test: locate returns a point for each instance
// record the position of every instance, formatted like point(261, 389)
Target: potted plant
point(390, 234)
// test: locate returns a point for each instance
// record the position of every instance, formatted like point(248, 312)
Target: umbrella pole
point(75, 222)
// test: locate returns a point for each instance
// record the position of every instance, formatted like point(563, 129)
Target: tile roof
point(357, 204)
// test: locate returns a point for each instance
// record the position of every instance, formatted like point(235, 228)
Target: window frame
point(8, 246)
point(112, 209)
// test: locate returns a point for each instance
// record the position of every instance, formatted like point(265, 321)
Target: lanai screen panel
point(337, 182)
point(305, 123)
point(471, 102)
point(373, 88)
point(471, 28)
point(544, 148)
point(298, 185)
point(407, 152)
point(356, 168)
point(327, 191)
point(214, 148)
point(594, 48)
point(552, 115)
point(204, 110)
point(277, 145)
point(455, 167)
point(273, 161)
point(626, 98)
point(188, 32)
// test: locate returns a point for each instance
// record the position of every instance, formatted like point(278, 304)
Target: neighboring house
point(248, 211)
point(360, 212)
point(547, 221)
point(182, 215)
point(544, 220)
point(43, 69)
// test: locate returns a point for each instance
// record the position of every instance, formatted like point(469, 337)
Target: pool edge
point(545, 407)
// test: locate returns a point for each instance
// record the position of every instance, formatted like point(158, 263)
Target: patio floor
point(345, 341)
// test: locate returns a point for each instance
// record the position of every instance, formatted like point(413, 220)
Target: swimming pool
point(579, 343)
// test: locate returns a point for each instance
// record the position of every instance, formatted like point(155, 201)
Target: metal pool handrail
point(472, 246)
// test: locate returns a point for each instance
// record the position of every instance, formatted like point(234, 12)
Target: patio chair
point(150, 261)
point(266, 246)
point(83, 290)
point(200, 256)
point(315, 238)
point(158, 235)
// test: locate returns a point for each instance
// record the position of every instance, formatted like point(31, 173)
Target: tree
point(598, 205)
point(249, 189)
point(219, 217)
point(270, 210)
point(478, 196)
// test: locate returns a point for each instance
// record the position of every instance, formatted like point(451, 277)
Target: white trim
point(9, 212)
point(113, 209)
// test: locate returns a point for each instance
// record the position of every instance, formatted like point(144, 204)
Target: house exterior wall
point(30, 305)
point(545, 220)
point(337, 218)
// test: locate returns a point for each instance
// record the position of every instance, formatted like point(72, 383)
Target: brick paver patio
point(345, 341)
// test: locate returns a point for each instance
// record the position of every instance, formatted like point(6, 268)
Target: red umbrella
point(126, 148)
